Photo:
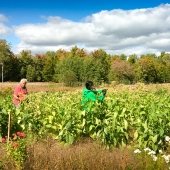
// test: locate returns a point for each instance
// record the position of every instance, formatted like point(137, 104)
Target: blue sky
point(117, 26)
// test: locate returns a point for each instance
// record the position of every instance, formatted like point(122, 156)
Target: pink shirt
point(19, 91)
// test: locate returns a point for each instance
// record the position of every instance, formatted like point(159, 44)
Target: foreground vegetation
point(47, 153)
point(56, 133)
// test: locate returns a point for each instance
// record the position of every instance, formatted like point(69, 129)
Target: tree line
point(77, 65)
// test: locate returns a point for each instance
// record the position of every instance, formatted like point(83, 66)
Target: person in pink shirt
point(20, 92)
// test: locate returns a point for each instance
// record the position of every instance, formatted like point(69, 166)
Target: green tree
point(123, 57)
point(102, 65)
point(25, 59)
point(147, 69)
point(72, 65)
point(164, 59)
point(39, 61)
point(31, 74)
point(9, 61)
point(90, 70)
point(77, 52)
point(132, 58)
point(50, 61)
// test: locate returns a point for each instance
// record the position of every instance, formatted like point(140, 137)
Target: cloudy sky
point(116, 26)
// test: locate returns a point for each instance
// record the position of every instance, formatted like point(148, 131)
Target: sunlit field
point(39, 86)
point(129, 130)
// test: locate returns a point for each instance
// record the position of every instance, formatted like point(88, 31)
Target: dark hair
point(89, 85)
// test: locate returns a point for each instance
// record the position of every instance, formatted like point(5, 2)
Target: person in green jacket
point(90, 94)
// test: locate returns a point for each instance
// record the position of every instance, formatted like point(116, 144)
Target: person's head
point(23, 82)
point(89, 85)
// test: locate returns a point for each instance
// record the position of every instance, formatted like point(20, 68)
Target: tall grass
point(48, 154)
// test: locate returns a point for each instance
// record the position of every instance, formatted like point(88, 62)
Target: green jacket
point(91, 96)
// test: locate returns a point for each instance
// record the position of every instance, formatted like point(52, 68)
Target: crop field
point(132, 125)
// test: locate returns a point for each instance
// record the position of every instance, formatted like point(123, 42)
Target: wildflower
point(167, 138)
point(167, 158)
point(18, 133)
point(152, 153)
point(147, 149)
point(15, 145)
point(3, 140)
point(154, 158)
point(21, 134)
point(160, 151)
point(137, 151)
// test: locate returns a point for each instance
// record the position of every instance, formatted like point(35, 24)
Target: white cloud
point(116, 31)
point(3, 28)
point(3, 18)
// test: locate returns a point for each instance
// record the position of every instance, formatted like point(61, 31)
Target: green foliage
point(97, 66)
point(151, 69)
point(69, 70)
point(30, 73)
point(16, 149)
point(102, 63)
point(132, 59)
point(8, 60)
point(24, 61)
point(141, 119)
point(38, 65)
point(50, 60)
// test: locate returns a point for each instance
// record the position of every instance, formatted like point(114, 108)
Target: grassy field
point(38, 86)
point(45, 86)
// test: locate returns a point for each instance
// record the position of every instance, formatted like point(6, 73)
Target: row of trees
point(76, 66)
